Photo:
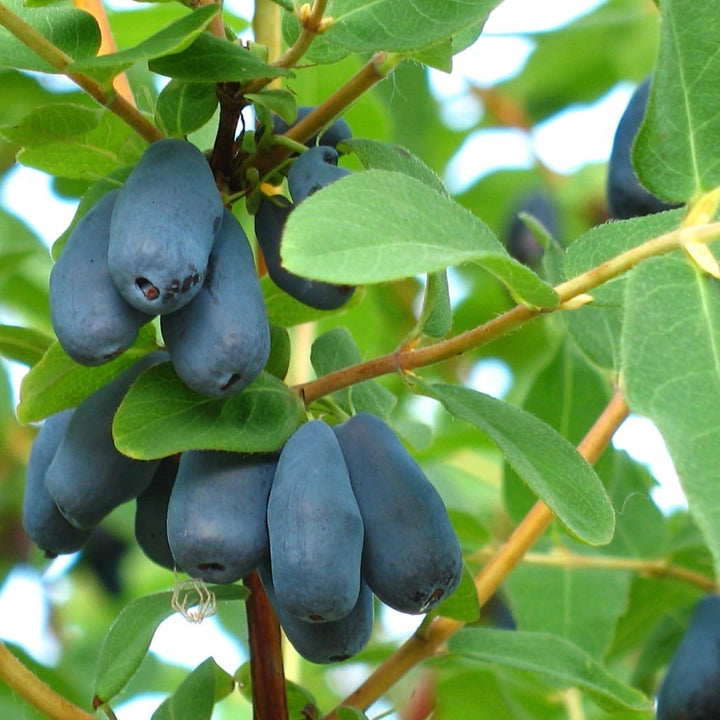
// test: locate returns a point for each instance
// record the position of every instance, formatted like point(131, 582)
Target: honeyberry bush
point(558, 529)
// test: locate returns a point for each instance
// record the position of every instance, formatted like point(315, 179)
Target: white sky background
point(561, 142)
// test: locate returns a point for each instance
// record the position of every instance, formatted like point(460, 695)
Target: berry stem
point(430, 638)
point(266, 664)
point(25, 683)
point(114, 102)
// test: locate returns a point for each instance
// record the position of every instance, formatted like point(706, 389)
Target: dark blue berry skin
point(43, 522)
point(691, 687)
point(334, 134)
point(216, 514)
point(91, 319)
point(411, 556)
point(163, 227)
point(151, 514)
point(220, 341)
point(326, 642)
point(269, 223)
point(315, 529)
point(627, 198)
point(315, 169)
point(88, 477)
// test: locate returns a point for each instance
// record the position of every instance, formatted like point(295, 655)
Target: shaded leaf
point(23, 345)
point(335, 350)
point(129, 637)
point(194, 699)
point(75, 142)
point(210, 59)
point(57, 382)
point(551, 658)
point(161, 416)
point(172, 39)
point(184, 107)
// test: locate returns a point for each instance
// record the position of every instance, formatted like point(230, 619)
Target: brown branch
point(431, 638)
point(266, 664)
point(41, 696)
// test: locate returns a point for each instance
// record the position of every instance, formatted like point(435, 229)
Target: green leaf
point(370, 25)
point(463, 604)
point(597, 327)
point(75, 141)
point(129, 637)
point(75, 32)
point(378, 155)
point(581, 605)
point(210, 59)
point(173, 39)
point(675, 149)
point(161, 416)
point(551, 658)
point(568, 393)
point(281, 102)
point(378, 225)
point(23, 345)
point(671, 372)
point(285, 311)
point(278, 363)
point(335, 350)
point(57, 382)
point(197, 694)
point(546, 461)
point(184, 107)
point(436, 315)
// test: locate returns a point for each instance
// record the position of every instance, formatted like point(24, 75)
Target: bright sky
point(500, 53)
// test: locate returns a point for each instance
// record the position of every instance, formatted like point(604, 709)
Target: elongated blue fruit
point(151, 513)
point(691, 687)
point(335, 133)
point(411, 556)
point(325, 642)
point(91, 319)
point(216, 515)
point(627, 198)
point(316, 168)
point(220, 341)
point(88, 477)
point(163, 227)
point(315, 528)
point(270, 220)
point(43, 522)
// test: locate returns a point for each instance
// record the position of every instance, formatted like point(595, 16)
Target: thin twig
point(407, 359)
point(39, 44)
point(41, 696)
